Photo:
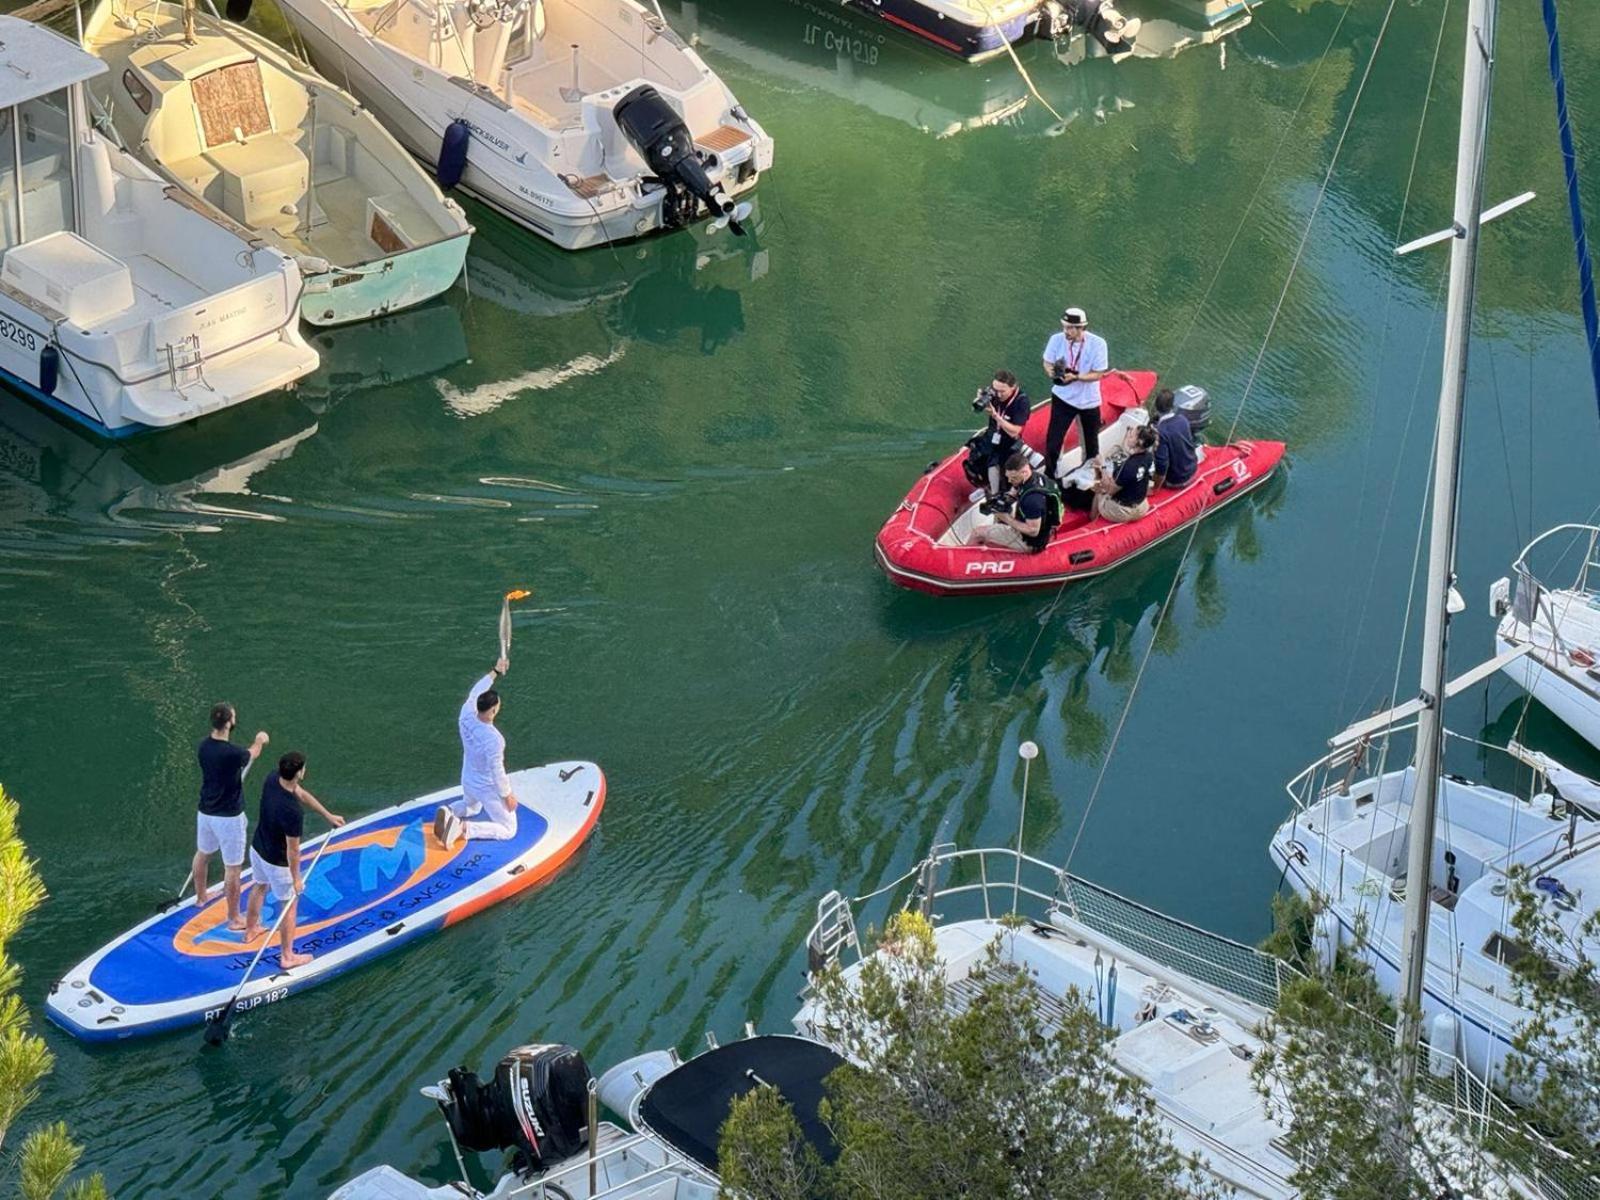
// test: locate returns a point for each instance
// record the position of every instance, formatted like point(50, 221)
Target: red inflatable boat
point(923, 545)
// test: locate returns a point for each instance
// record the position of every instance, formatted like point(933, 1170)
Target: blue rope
point(1569, 160)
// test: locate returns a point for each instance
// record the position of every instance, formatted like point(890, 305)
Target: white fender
point(1443, 1034)
point(1325, 935)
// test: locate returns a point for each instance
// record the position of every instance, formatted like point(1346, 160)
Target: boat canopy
point(34, 61)
point(686, 1107)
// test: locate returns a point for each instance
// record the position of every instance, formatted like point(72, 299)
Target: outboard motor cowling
point(1100, 19)
point(536, 1104)
point(654, 129)
point(1195, 404)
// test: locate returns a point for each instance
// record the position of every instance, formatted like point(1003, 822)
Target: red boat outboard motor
point(536, 1104)
point(656, 131)
point(1195, 404)
point(1099, 19)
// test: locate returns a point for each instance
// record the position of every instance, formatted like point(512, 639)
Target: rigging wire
point(1255, 370)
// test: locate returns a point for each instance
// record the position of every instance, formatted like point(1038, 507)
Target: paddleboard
point(384, 881)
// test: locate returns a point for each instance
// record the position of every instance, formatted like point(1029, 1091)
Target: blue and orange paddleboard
point(384, 880)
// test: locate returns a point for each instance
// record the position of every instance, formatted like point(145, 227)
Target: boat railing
point(1591, 553)
point(661, 1162)
point(991, 883)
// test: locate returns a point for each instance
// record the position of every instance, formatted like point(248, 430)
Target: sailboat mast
point(1476, 82)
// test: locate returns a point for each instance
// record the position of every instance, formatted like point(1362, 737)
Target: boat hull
point(1575, 701)
point(385, 881)
point(342, 296)
point(971, 42)
point(913, 550)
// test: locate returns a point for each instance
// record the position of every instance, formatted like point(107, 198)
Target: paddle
point(217, 1027)
point(505, 619)
point(189, 878)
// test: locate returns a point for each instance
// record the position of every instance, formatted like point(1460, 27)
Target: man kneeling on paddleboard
point(485, 787)
point(275, 852)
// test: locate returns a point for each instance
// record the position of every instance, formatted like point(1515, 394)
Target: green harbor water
point(685, 446)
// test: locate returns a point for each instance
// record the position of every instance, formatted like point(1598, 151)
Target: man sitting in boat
point(1034, 510)
point(1176, 460)
point(1123, 486)
point(275, 852)
point(485, 787)
point(1008, 407)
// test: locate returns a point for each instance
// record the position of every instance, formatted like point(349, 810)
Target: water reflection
point(824, 46)
point(62, 488)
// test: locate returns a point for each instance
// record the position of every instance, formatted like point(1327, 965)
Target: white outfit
point(484, 784)
point(276, 879)
point(221, 833)
point(1088, 355)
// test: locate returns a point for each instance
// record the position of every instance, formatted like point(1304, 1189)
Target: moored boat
point(385, 881)
point(588, 121)
point(1560, 627)
point(927, 543)
point(255, 136)
point(124, 306)
point(976, 30)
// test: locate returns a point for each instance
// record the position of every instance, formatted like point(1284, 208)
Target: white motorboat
point(588, 121)
point(124, 305)
point(253, 134)
point(1560, 627)
point(542, 1105)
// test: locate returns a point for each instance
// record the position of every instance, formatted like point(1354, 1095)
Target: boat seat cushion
point(72, 276)
point(260, 178)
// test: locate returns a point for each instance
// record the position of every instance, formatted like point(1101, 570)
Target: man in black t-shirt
point(1008, 411)
point(220, 823)
point(1034, 515)
point(1123, 488)
point(275, 852)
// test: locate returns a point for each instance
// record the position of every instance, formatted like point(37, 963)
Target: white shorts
point(274, 878)
point(221, 833)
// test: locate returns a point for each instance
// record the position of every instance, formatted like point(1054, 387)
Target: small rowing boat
point(384, 881)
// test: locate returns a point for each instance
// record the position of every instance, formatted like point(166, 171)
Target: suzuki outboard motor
point(536, 1104)
point(1193, 402)
point(655, 130)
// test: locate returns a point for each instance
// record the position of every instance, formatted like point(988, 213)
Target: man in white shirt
point(485, 788)
point(1075, 360)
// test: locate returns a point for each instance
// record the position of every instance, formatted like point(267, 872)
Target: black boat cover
point(686, 1106)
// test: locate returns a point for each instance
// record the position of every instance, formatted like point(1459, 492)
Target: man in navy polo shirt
point(1176, 460)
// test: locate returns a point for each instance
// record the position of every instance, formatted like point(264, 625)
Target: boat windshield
point(36, 193)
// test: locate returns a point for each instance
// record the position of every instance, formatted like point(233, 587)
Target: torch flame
point(518, 594)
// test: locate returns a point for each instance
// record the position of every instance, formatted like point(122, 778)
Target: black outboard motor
point(656, 131)
point(1193, 402)
point(537, 1104)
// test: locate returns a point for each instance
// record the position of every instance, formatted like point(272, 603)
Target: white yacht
point(123, 304)
point(1559, 626)
point(257, 137)
point(588, 121)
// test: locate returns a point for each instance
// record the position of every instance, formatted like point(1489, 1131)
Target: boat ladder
point(185, 363)
point(835, 929)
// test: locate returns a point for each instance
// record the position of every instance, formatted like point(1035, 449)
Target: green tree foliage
point(47, 1155)
point(943, 1099)
point(1555, 1067)
point(1329, 1073)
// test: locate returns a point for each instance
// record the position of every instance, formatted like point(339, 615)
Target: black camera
point(986, 396)
point(1003, 503)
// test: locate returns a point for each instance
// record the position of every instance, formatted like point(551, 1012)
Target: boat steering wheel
point(485, 13)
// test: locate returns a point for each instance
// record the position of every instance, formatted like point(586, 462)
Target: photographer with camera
point(1122, 491)
point(1026, 516)
point(1075, 361)
point(1007, 407)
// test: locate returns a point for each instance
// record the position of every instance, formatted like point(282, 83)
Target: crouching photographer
point(1026, 516)
point(1007, 407)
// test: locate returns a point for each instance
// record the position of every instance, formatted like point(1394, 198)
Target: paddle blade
point(217, 1027)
